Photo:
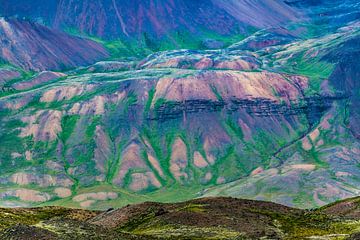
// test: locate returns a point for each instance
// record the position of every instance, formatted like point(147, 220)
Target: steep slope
point(151, 20)
point(266, 14)
point(34, 47)
point(345, 78)
point(133, 19)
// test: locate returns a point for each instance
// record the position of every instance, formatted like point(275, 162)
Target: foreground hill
point(208, 218)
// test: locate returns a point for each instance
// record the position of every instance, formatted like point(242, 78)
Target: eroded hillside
point(263, 124)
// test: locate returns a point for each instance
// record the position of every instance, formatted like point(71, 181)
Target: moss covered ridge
point(206, 218)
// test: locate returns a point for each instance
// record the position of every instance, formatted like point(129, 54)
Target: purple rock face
point(123, 18)
point(133, 18)
point(34, 47)
point(261, 14)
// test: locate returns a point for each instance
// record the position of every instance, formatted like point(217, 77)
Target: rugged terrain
point(272, 113)
point(208, 218)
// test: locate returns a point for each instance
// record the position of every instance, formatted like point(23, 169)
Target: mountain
point(121, 132)
point(31, 46)
point(270, 115)
point(155, 24)
point(208, 218)
point(118, 18)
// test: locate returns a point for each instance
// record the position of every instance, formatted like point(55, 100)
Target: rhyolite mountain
point(271, 115)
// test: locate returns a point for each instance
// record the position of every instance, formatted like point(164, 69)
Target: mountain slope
point(272, 117)
point(266, 14)
point(154, 19)
point(115, 133)
point(31, 46)
point(346, 78)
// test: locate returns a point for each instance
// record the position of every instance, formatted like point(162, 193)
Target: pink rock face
point(34, 47)
point(229, 84)
point(179, 161)
point(132, 161)
point(44, 126)
point(237, 64)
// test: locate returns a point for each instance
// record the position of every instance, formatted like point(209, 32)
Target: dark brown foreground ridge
point(206, 218)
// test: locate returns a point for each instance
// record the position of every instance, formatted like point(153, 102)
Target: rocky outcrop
point(259, 93)
point(103, 152)
point(133, 166)
point(313, 107)
point(227, 85)
point(85, 200)
point(172, 110)
point(95, 106)
point(26, 195)
point(44, 126)
point(179, 160)
point(24, 179)
point(62, 192)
